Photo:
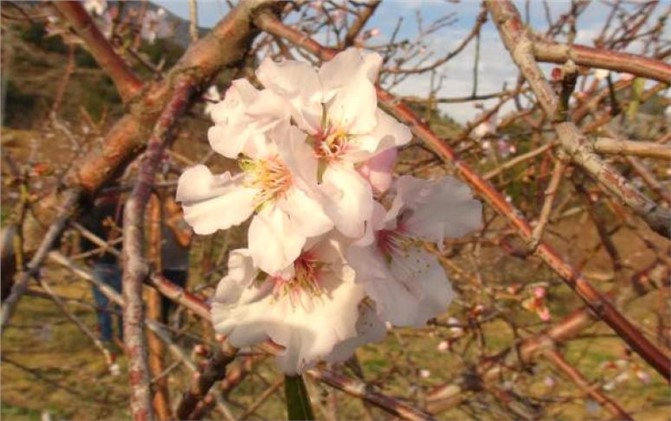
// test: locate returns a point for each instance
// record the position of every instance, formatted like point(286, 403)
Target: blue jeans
point(110, 274)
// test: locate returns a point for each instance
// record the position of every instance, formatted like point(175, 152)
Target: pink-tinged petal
point(396, 299)
point(544, 313)
point(347, 64)
point(232, 129)
point(290, 78)
point(347, 199)
point(227, 140)
point(331, 248)
point(441, 208)
point(261, 147)
point(213, 202)
point(378, 170)
point(437, 293)
point(299, 84)
point(306, 215)
point(243, 116)
point(369, 329)
point(297, 155)
point(273, 243)
point(234, 300)
point(354, 107)
point(376, 223)
point(267, 110)
point(241, 269)
point(236, 99)
point(388, 133)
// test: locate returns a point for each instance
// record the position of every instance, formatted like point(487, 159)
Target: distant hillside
point(33, 66)
point(181, 35)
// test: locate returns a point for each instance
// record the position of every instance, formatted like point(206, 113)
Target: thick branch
point(603, 59)
point(608, 145)
point(135, 267)
point(125, 80)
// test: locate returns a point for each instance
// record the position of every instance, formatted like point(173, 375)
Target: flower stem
point(298, 400)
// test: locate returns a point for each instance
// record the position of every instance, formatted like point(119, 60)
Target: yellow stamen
point(270, 176)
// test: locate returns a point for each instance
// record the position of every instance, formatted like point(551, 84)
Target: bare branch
point(127, 83)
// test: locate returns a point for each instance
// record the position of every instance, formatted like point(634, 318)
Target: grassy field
point(50, 366)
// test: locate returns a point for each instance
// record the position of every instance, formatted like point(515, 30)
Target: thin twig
point(550, 192)
point(363, 391)
point(68, 206)
point(579, 379)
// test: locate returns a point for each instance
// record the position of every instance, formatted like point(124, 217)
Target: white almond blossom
point(309, 309)
point(407, 283)
point(337, 107)
point(275, 186)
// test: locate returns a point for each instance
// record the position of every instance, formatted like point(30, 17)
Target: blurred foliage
point(23, 105)
point(36, 34)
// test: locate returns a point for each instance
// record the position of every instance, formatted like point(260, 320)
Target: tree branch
point(127, 83)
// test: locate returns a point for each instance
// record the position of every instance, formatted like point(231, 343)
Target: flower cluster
point(335, 245)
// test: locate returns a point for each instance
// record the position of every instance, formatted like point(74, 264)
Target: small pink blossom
point(643, 376)
point(549, 382)
point(378, 170)
point(536, 303)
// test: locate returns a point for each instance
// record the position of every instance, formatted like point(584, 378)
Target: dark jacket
point(104, 220)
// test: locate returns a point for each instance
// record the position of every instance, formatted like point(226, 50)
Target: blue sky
point(495, 67)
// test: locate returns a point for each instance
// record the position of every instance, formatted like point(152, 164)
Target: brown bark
point(161, 399)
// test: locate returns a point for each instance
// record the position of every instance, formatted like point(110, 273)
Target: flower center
point(409, 257)
point(304, 282)
point(270, 176)
point(394, 243)
point(331, 144)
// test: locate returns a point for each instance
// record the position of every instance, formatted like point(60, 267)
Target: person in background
point(104, 221)
point(176, 237)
